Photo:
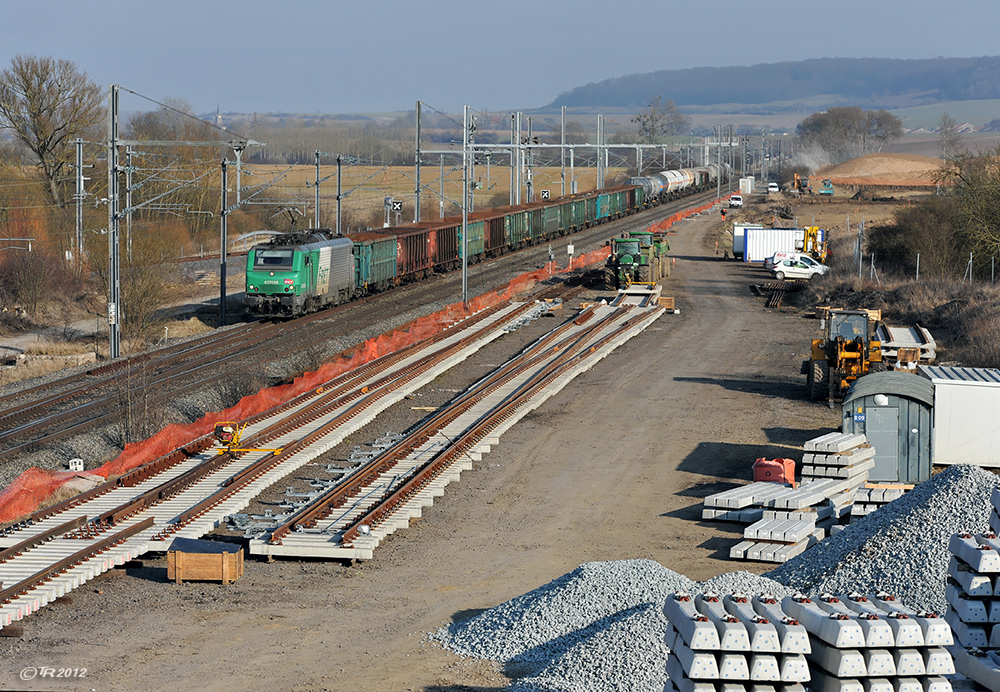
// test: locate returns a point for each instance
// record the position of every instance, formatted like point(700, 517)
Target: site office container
point(966, 425)
point(375, 261)
point(761, 243)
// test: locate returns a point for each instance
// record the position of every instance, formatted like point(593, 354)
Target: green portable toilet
point(893, 410)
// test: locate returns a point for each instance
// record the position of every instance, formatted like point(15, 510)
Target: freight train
point(295, 273)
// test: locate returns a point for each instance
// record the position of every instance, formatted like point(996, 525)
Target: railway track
point(40, 416)
point(191, 491)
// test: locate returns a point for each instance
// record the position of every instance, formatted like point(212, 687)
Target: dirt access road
point(613, 467)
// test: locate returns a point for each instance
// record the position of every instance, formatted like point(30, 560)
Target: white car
point(781, 255)
point(798, 269)
point(772, 188)
point(736, 201)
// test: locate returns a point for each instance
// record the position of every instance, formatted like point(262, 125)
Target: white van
point(772, 188)
point(736, 201)
point(781, 256)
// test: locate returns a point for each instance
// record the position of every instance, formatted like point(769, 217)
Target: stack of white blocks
point(873, 644)
point(844, 456)
point(973, 595)
point(867, 500)
point(733, 644)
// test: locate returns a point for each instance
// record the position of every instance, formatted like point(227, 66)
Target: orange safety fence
point(36, 487)
point(674, 218)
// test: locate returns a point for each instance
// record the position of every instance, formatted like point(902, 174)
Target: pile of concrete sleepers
point(867, 500)
point(842, 456)
point(832, 645)
point(735, 643)
point(873, 643)
point(973, 595)
point(784, 520)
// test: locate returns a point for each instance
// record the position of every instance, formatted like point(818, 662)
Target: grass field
point(368, 186)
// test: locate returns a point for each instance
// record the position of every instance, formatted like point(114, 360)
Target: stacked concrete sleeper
point(834, 644)
point(973, 595)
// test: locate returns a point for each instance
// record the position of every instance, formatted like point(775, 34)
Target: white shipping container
point(966, 426)
point(739, 237)
point(762, 243)
point(746, 186)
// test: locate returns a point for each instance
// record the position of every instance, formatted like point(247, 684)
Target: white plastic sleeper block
point(968, 610)
point(979, 667)
point(681, 682)
point(697, 665)
point(840, 663)
point(737, 498)
point(851, 456)
point(938, 661)
point(822, 682)
point(988, 539)
point(763, 636)
point(981, 558)
point(733, 666)
point(909, 662)
point(794, 668)
point(793, 688)
point(844, 442)
point(733, 634)
point(840, 633)
point(794, 637)
point(972, 583)
point(994, 522)
point(879, 662)
point(907, 685)
point(936, 631)
point(994, 637)
point(966, 635)
point(764, 668)
point(936, 684)
point(877, 685)
point(993, 611)
point(878, 633)
point(995, 500)
point(699, 634)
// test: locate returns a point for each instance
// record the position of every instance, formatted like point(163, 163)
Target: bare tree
point(47, 103)
point(660, 120)
point(847, 132)
point(949, 138)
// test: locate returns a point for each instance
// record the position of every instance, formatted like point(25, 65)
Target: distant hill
point(785, 86)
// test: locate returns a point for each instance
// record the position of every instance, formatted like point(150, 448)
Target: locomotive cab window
point(273, 259)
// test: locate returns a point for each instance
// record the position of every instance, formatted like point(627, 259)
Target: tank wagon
point(665, 185)
point(300, 272)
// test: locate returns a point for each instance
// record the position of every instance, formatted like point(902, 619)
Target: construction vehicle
point(661, 246)
point(814, 243)
point(800, 184)
point(846, 352)
point(633, 259)
point(826, 188)
point(228, 433)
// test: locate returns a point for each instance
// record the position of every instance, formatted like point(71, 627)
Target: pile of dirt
point(893, 169)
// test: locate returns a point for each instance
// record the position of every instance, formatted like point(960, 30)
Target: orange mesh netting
point(674, 218)
point(36, 487)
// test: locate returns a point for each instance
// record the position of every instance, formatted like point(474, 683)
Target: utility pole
point(114, 268)
point(128, 202)
point(718, 178)
point(78, 258)
point(441, 193)
point(529, 183)
point(340, 159)
point(416, 167)
point(223, 243)
point(316, 200)
point(513, 160)
point(465, 206)
point(562, 154)
point(600, 151)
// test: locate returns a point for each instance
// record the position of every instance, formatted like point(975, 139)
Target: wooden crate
point(190, 560)
point(666, 302)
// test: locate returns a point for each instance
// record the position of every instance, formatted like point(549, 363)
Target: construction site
point(642, 462)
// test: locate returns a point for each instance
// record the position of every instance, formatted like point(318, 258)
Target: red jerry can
point(774, 471)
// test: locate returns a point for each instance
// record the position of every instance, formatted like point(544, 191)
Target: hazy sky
point(382, 55)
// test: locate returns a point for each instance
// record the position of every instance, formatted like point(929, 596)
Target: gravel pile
point(903, 547)
point(547, 624)
point(745, 582)
point(627, 654)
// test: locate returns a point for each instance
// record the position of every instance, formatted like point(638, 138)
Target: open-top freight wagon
point(300, 272)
